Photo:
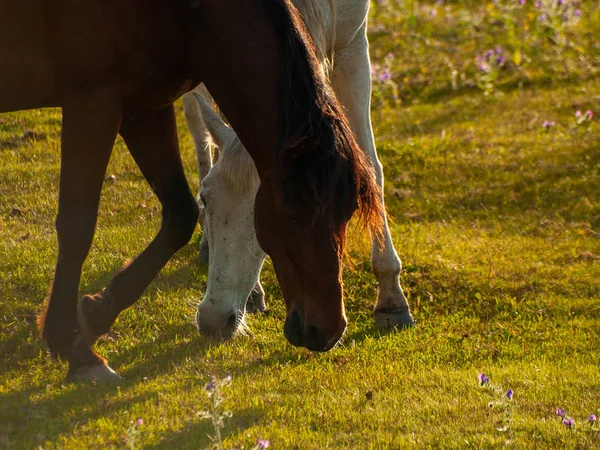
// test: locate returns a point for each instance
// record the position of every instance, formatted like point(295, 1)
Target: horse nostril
point(232, 320)
point(293, 328)
point(315, 340)
point(214, 323)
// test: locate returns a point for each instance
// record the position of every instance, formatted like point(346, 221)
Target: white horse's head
point(235, 257)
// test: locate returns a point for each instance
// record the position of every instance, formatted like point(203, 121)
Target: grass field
point(494, 191)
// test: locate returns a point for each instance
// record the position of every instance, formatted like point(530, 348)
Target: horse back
point(54, 52)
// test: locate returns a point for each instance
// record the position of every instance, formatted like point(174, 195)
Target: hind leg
point(351, 79)
point(88, 135)
point(152, 141)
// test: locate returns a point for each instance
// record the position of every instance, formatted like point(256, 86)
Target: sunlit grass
point(496, 218)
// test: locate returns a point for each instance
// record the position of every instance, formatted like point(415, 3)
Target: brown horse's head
point(301, 215)
point(318, 180)
point(313, 176)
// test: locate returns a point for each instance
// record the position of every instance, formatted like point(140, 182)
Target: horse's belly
point(26, 78)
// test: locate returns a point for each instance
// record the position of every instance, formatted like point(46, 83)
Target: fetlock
point(96, 313)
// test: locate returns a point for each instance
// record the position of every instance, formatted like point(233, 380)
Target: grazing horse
point(115, 67)
point(228, 190)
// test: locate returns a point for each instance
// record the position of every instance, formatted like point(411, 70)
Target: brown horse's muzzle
point(303, 332)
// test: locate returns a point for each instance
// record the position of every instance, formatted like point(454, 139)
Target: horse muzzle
point(302, 333)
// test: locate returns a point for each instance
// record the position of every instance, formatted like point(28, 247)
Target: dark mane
point(325, 170)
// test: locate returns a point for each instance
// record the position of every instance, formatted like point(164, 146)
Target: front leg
point(351, 79)
point(152, 141)
point(88, 133)
point(256, 300)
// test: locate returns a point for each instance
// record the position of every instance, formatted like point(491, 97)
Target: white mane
point(317, 27)
point(238, 167)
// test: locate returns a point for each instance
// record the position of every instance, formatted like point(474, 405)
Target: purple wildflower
point(589, 114)
point(509, 394)
point(538, 4)
point(210, 386)
point(480, 65)
point(577, 13)
point(139, 422)
point(568, 422)
point(522, 2)
point(592, 419)
point(578, 113)
point(483, 379)
point(227, 378)
point(385, 75)
point(263, 443)
point(560, 412)
point(549, 123)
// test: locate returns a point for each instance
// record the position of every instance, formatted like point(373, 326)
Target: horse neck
point(253, 84)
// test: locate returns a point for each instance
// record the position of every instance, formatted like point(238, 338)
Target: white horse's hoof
point(256, 302)
point(394, 319)
point(98, 374)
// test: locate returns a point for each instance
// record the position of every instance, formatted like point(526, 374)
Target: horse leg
point(351, 79)
point(193, 118)
point(88, 134)
point(256, 300)
point(152, 141)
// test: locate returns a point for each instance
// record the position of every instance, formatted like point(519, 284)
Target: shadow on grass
point(196, 434)
point(28, 422)
point(28, 413)
point(14, 337)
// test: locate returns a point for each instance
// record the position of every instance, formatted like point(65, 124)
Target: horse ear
point(219, 131)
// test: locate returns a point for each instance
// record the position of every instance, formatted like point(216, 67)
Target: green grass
point(497, 221)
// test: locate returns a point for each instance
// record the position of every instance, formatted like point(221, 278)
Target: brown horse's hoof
point(84, 307)
point(95, 315)
point(400, 318)
point(99, 373)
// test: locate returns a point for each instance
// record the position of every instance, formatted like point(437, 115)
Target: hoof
point(86, 303)
point(394, 319)
point(256, 301)
point(204, 252)
point(98, 373)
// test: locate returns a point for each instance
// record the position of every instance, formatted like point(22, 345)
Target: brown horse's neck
point(274, 99)
point(249, 97)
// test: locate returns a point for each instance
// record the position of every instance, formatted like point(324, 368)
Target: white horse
point(228, 188)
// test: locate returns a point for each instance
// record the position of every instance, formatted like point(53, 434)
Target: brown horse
point(116, 67)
